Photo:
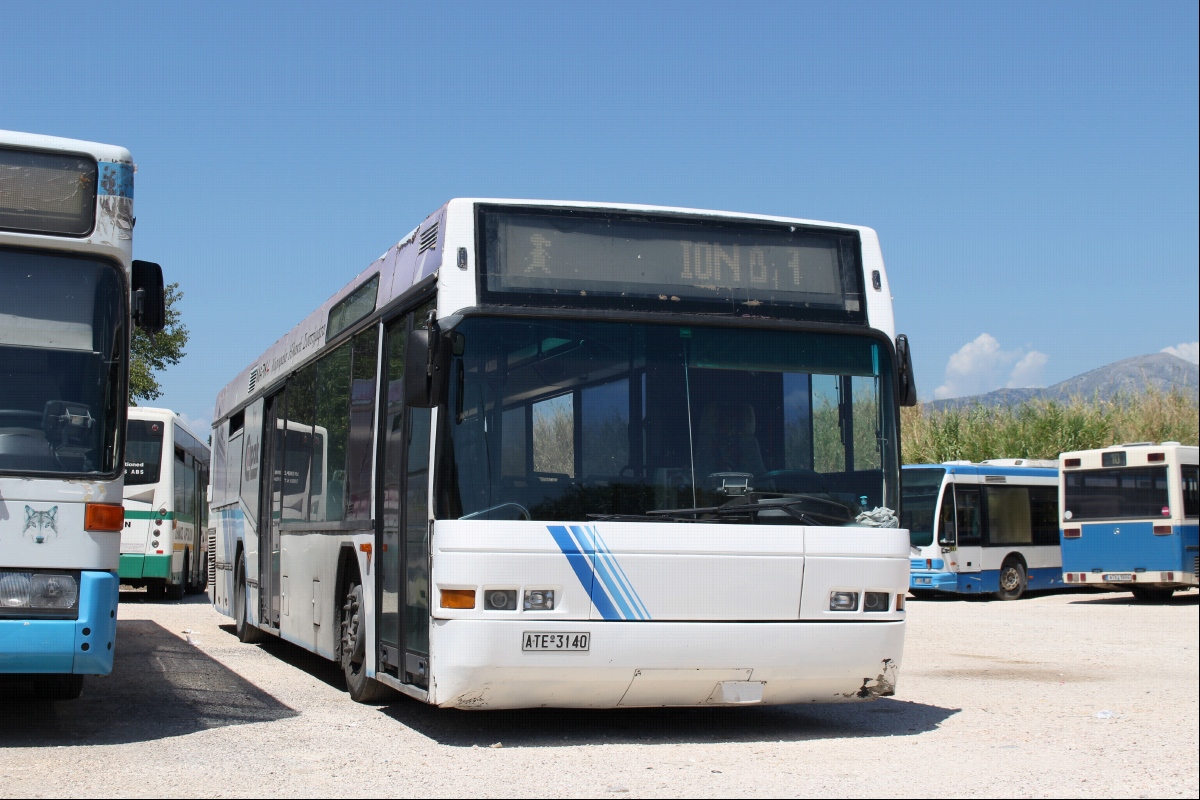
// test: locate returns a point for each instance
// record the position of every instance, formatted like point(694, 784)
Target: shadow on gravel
point(573, 727)
point(1126, 599)
point(319, 667)
point(160, 686)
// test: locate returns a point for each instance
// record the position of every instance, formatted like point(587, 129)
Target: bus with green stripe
point(166, 478)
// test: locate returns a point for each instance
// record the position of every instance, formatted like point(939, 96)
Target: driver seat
point(725, 440)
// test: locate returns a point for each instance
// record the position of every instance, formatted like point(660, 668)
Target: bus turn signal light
point(103, 517)
point(458, 598)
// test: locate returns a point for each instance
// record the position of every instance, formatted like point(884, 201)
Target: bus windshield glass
point(919, 489)
point(62, 350)
point(1133, 493)
point(143, 451)
point(566, 420)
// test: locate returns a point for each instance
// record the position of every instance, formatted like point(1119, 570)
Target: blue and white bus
point(69, 290)
point(986, 528)
point(1131, 518)
point(578, 454)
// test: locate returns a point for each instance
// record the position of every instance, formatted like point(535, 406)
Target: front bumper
point(83, 646)
point(937, 581)
point(481, 664)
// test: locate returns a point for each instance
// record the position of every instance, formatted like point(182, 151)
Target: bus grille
point(1196, 567)
point(212, 556)
point(428, 238)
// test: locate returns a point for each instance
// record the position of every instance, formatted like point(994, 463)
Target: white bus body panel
point(64, 544)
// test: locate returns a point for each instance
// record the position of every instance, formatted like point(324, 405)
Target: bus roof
point(969, 468)
point(100, 152)
point(409, 262)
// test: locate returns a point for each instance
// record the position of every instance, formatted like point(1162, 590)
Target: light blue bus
point(985, 528)
point(1131, 518)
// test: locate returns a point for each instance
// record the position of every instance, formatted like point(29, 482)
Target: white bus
point(166, 478)
point(69, 290)
point(581, 455)
point(1131, 518)
point(986, 528)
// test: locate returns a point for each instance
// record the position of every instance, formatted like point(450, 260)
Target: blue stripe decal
point(619, 576)
point(577, 555)
point(115, 179)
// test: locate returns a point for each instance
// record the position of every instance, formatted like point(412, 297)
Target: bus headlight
point(14, 589)
point(843, 601)
point(539, 600)
point(53, 591)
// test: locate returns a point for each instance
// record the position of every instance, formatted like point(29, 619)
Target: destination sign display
point(592, 258)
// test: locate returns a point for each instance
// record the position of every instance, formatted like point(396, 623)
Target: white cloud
point(982, 365)
point(1188, 351)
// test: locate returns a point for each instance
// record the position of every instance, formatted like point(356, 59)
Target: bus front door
point(970, 539)
point(403, 533)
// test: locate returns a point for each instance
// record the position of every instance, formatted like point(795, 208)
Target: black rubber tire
point(1012, 580)
point(58, 687)
point(1145, 594)
point(352, 649)
point(245, 631)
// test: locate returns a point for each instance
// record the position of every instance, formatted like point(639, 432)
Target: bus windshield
point(1133, 493)
point(62, 350)
point(566, 420)
point(143, 451)
point(919, 489)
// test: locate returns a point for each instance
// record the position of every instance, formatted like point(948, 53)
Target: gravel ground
point(1053, 695)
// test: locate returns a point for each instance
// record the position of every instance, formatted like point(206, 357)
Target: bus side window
point(947, 533)
point(966, 501)
point(1191, 490)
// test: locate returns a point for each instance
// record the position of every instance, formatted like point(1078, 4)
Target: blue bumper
point(937, 581)
point(83, 646)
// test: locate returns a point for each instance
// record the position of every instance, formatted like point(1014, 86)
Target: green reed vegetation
point(1045, 428)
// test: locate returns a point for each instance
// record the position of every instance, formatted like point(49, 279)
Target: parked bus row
point(1122, 518)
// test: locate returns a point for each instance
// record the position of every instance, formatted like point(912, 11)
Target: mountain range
point(1161, 371)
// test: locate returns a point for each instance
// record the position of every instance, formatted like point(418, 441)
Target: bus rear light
point(458, 598)
point(1162, 530)
point(103, 517)
point(1168, 576)
point(1069, 577)
point(1070, 462)
point(929, 563)
point(1072, 533)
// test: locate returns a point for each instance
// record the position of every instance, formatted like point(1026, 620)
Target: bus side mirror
point(908, 382)
point(424, 372)
point(149, 297)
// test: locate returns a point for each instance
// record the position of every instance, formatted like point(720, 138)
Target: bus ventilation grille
point(428, 238)
point(253, 380)
point(212, 557)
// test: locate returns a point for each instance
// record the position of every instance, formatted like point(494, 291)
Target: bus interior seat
point(725, 440)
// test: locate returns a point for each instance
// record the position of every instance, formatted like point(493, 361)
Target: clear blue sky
point(1031, 168)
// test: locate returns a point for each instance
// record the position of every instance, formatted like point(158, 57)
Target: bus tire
point(352, 649)
point(1145, 594)
point(1012, 580)
point(61, 686)
point(156, 589)
point(246, 632)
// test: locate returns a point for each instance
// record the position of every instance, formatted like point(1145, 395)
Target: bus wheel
point(175, 590)
point(1144, 594)
point(58, 686)
point(245, 631)
point(363, 689)
point(156, 589)
point(1012, 580)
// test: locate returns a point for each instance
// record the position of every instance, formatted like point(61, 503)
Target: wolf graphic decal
point(41, 526)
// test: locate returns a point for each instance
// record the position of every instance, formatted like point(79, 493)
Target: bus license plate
point(555, 641)
point(1114, 577)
